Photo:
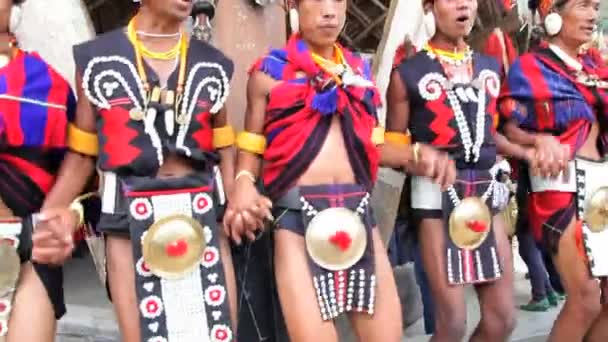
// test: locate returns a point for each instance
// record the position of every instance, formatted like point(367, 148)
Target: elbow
point(76, 161)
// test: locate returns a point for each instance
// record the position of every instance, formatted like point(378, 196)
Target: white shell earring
point(15, 18)
point(553, 24)
point(294, 20)
point(430, 26)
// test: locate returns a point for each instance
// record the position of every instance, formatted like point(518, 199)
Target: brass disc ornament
point(336, 239)
point(173, 246)
point(596, 212)
point(470, 223)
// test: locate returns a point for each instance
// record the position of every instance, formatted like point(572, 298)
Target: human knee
point(499, 324)
point(585, 302)
point(451, 324)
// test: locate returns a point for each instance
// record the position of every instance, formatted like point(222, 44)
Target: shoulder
point(204, 51)
point(110, 43)
point(106, 40)
point(273, 64)
point(414, 61)
point(488, 62)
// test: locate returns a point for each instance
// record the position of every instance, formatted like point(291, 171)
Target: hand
point(551, 157)
point(434, 164)
point(52, 239)
point(246, 211)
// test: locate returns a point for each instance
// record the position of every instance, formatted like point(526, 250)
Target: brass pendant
point(173, 247)
point(596, 212)
point(181, 119)
point(336, 239)
point(136, 114)
point(10, 266)
point(470, 223)
point(170, 113)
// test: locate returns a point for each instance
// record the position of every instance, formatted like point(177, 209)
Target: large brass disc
point(596, 211)
point(10, 265)
point(336, 239)
point(470, 223)
point(173, 246)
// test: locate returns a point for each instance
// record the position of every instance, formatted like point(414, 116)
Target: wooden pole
point(404, 18)
point(246, 32)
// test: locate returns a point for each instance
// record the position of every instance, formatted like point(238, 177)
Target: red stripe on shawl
point(541, 90)
point(38, 175)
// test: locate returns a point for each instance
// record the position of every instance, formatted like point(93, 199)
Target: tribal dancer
point(445, 95)
point(558, 95)
point(311, 117)
point(36, 105)
point(160, 123)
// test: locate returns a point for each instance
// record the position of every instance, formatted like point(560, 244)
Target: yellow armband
point(251, 142)
point(398, 138)
point(82, 141)
point(223, 137)
point(378, 136)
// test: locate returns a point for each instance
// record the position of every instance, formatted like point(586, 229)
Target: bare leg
point(599, 330)
point(121, 277)
point(33, 318)
point(296, 291)
point(497, 299)
point(450, 309)
point(386, 323)
point(582, 305)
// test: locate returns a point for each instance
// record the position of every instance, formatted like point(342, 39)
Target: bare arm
point(397, 119)
point(227, 155)
point(429, 162)
point(247, 209)
point(76, 169)
point(547, 156)
point(510, 149)
point(518, 135)
point(258, 86)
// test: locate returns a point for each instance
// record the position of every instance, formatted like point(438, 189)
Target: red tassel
point(177, 248)
point(341, 239)
point(477, 226)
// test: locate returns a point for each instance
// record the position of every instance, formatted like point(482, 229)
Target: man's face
point(321, 21)
point(454, 18)
point(177, 9)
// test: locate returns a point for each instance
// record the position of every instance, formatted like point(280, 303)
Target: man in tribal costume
point(556, 99)
point(36, 107)
point(312, 136)
point(445, 96)
point(159, 121)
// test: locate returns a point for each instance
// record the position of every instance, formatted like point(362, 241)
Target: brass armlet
point(82, 141)
point(223, 137)
point(77, 206)
point(398, 138)
point(378, 135)
point(251, 142)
